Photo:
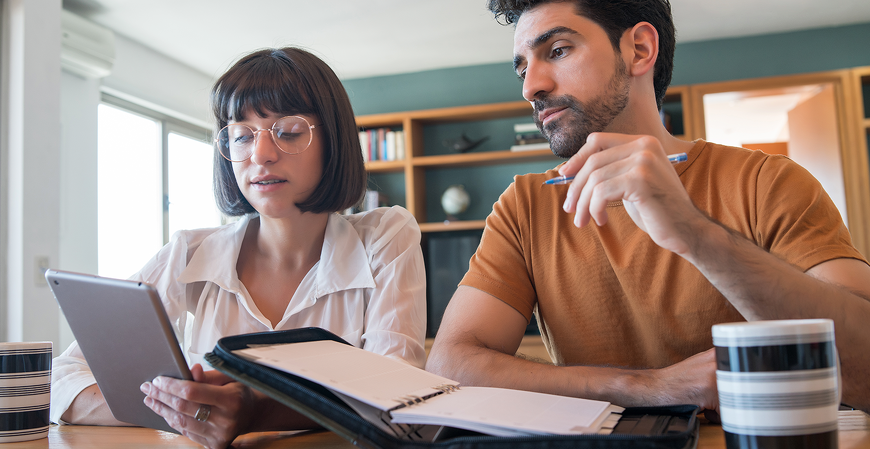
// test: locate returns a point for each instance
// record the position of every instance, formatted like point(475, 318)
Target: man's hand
point(635, 170)
point(692, 381)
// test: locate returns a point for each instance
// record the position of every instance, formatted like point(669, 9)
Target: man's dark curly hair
point(615, 16)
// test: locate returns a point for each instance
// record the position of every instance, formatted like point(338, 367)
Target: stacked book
point(382, 144)
point(529, 137)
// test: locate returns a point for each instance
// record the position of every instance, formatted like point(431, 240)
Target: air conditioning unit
point(87, 49)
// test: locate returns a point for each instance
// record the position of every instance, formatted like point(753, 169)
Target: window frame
point(167, 125)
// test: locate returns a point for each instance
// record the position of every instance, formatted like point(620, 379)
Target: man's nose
point(537, 81)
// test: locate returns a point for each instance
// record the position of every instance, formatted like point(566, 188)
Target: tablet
point(125, 336)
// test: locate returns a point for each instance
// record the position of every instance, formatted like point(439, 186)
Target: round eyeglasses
point(291, 134)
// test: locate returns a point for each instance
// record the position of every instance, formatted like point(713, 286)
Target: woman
point(287, 157)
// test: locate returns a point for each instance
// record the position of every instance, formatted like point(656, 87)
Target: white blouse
point(369, 288)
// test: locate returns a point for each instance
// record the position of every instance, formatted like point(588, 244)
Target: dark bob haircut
point(291, 81)
point(615, 16)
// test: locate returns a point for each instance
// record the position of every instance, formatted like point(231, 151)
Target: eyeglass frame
point(271, 130)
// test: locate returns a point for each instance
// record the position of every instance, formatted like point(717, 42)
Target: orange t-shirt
point(609, 295)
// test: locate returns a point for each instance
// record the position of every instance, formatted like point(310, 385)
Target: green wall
point(695, 62)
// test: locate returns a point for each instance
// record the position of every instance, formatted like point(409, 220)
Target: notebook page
point(371, 378)
point(482, 408)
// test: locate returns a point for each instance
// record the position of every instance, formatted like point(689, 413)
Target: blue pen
point(674, 158)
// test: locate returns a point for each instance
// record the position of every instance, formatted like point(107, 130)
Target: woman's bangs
point(274, 90)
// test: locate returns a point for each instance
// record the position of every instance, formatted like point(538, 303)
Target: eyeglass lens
point(291, 134)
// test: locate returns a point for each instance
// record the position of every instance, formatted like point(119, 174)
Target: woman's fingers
point(175, 402)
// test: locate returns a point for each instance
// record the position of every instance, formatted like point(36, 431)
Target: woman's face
point(274, 181)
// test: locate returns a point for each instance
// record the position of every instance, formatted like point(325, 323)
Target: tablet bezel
point(125, 335)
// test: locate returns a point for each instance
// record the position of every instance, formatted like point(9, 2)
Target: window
point(154, 178)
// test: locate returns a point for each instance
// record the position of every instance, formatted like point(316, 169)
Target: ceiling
point(380, 37)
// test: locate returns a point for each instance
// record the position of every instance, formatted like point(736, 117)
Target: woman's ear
point(641, 44)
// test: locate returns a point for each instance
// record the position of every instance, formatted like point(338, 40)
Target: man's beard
point(569, 132)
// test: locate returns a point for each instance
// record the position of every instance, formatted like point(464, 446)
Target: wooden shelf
point(454, 114)
point(385, 166)
point(484, 158)
point(459, 225)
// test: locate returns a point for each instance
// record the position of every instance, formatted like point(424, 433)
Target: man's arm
point(480, 334)
point(763, 287)
point(634, 169)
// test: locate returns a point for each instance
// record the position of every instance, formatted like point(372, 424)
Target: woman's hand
point(211, 410)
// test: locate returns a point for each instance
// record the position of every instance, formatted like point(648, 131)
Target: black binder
point(639, 427)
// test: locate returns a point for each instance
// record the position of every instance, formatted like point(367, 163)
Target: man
point(629, 266)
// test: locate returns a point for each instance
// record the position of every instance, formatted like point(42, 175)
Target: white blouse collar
point(343, 265)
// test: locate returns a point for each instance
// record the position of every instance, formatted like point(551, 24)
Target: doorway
point(796, 121)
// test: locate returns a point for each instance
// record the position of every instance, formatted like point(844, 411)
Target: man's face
point(571, 74)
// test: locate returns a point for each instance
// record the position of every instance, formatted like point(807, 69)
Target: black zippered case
point(674, 427)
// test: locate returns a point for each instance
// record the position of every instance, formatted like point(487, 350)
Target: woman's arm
point(395, 320)
point(75, 396)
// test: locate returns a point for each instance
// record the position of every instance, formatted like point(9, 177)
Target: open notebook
point(400, 398)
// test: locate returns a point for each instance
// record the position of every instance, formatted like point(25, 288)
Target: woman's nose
point(264, 150)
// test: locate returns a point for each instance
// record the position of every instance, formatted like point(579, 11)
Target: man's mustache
point(562, 101)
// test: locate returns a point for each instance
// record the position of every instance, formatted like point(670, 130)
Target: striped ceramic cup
point(778, 383)
point(25, 381)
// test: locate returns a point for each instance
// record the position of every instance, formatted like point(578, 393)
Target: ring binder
point(332, 410)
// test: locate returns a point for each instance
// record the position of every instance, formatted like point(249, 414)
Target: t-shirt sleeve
point(797, 220)
point(499, 267)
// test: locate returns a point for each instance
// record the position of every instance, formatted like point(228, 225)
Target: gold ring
point(202, 413)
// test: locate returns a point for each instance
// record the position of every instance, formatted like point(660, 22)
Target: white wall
point(78, 181)
point(31, 122)
point(153, 80)
point(48, 183)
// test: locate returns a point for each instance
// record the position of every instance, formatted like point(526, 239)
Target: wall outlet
point(40, 266)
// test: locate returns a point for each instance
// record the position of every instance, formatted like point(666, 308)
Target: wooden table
point(63, 437)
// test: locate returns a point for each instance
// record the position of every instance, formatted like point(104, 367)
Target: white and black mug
point(25, 384)
point(778, 383)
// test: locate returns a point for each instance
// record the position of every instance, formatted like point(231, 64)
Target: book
point(405, 400)
point(528, 137)
point(374, 199)
point(531, 146)
point(382, 144)
point(522, 128)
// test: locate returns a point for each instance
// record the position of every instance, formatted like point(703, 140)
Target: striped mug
point(25, 382)
point(778, 383)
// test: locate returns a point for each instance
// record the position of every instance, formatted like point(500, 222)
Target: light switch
point(40, 267)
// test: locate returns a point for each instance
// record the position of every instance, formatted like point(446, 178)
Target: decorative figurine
point(463, 144)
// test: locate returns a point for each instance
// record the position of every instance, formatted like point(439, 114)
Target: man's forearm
point(680, 384)
point(763, 287)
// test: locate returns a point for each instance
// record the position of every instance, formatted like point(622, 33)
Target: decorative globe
point(455, 200)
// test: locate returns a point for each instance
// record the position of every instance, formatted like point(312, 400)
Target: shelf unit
point(677, 102)
point(417, 161)
point(862, 78)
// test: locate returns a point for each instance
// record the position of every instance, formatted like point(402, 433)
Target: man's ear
point(641, 44)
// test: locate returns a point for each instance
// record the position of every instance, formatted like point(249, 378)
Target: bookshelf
point(678, 108)
point(416, 181)
point(425, 159)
